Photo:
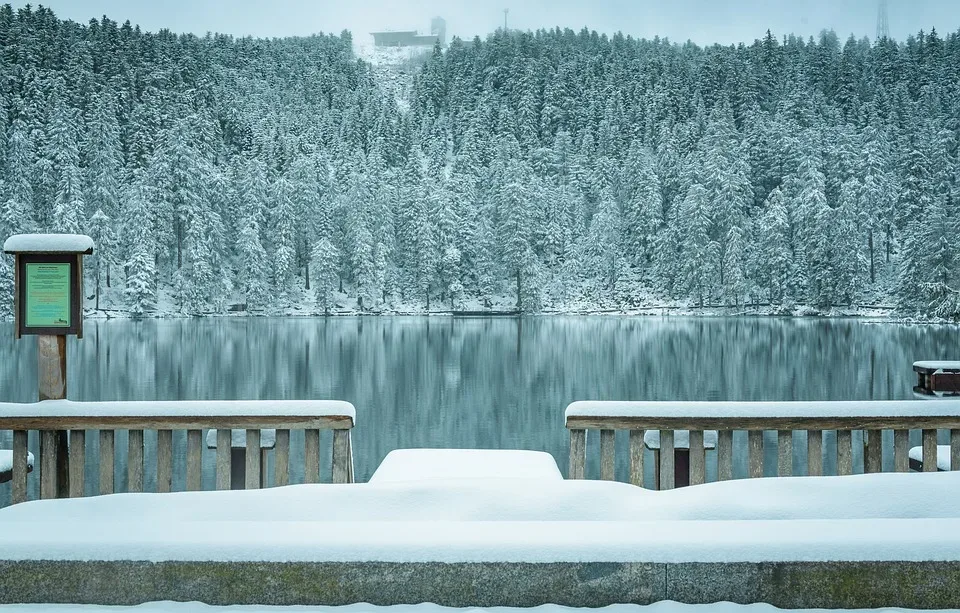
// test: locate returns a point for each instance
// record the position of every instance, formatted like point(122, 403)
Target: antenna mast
point(883, 22)
point(505, 12)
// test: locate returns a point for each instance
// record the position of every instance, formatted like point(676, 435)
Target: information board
point(47, 295)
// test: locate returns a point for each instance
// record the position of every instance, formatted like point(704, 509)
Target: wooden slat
point(784, 453)
point(725, 455)
point(223, 459)
point(177, 422)
point(698, 458)
point(578, 453)
point(755, 453)
point(667, 461)
point(164, 460)
point(350, 475)
point(873, 452)
point(311, 456)
point(955, 449)
point(844, 452)
point(341, 456)
point(135, 461)
point(18, 491)
point(253, 460)
point(815, 453)
point(281, 459)
point(607, 454)
point(636, 457)
point(48, 464)
point(106, 462)
point(194, 456)
point(901, 451)
point(77, 462)
point(906, 422)
point(929, 451)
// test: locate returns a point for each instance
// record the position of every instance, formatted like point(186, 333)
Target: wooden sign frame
point(75, 260)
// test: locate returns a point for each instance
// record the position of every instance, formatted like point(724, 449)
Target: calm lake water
point(480, 383)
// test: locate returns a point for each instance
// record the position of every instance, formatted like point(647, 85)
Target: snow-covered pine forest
point(542, 170)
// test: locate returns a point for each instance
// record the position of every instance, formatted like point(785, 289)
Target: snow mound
point(6, 460)
point(450, 464)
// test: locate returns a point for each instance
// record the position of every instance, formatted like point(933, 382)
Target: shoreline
point(874, 314)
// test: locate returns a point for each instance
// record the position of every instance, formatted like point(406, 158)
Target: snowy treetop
point(48, 243)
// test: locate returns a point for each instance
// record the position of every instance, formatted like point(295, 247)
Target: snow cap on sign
point(49, 243)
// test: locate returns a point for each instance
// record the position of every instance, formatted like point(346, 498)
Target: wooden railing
point(53, 416)
point(871, 417)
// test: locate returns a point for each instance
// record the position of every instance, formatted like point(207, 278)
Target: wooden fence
point(871, 417)
point(53, 416)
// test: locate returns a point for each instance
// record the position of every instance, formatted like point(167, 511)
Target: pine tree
point(324, 263)
point(100, 228)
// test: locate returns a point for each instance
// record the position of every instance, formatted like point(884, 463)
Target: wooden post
point(52, 384)
point(607, 457)
point(578, 457)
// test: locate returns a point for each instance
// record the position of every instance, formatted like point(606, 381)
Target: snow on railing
point(67, 476)
point(845, 417)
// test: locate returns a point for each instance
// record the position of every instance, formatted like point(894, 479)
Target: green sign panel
point(47, 296)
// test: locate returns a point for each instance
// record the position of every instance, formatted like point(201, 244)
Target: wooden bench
point(937, 378)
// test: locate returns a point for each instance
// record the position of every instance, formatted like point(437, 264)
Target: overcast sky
point(703, 21)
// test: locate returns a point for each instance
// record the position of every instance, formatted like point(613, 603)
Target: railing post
point(929, 451)
point(725, 455)
point(578, 453)
point(607, 454)
point(667, 461)
point(106, 462)
point(224, 441)
point(341, 453)
point(135, 460)
point(815, 453)
point(785, 453)
point(77, 461)
point(281, 459)
point(311, 455)
point(636, 457)
point(698, 459)
point(755, 453)
point(18, 492)
point(253, 460)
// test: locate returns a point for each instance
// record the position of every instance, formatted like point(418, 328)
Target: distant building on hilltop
point(412, 38)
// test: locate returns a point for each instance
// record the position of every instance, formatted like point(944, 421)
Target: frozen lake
point(484, 383)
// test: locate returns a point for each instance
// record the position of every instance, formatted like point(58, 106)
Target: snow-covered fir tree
point(537, 168)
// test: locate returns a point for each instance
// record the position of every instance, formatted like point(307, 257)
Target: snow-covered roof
point(48, 243)
point(910, 517)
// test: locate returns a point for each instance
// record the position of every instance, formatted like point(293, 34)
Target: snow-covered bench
point(456, 464)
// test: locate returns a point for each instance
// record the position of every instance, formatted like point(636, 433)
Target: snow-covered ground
point(196, 607)
point(880, 517)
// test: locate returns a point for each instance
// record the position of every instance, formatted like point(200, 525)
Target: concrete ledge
point(919, 585)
